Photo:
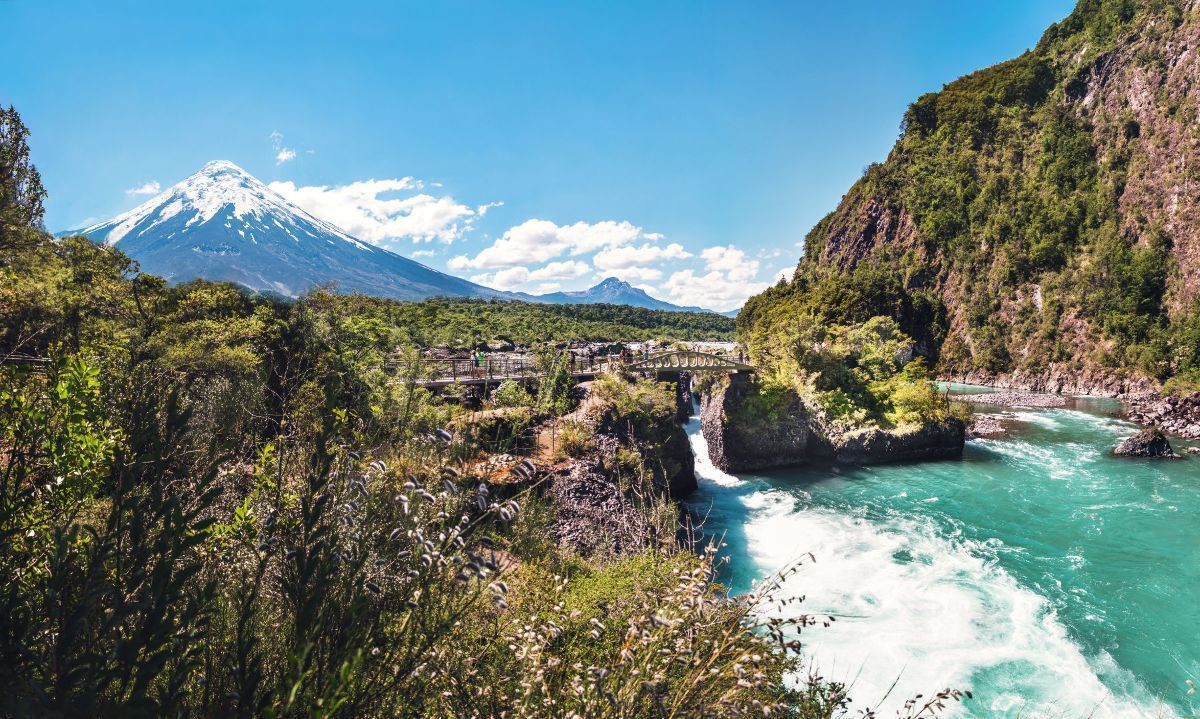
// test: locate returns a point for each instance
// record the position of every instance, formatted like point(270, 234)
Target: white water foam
point(919, 610)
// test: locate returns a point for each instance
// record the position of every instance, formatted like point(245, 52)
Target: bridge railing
point(490, 368)
point(521, 367)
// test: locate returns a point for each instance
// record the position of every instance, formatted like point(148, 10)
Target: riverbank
point(1059, 379)
point(1178, 416)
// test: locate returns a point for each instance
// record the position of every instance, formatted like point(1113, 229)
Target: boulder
point(1191, 450)
point(1146, 443)
point(942, 440)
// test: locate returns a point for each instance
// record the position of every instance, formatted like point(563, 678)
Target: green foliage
point(574, 438)
point(863, 374)
point(554, 388)
point(464, 322)
point(511, 394)
point(994, 195)
point(218, 504)
point(21, 191)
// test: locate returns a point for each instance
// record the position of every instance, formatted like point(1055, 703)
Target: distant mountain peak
point(613, 291)
point(222, 223)
point(218, 188)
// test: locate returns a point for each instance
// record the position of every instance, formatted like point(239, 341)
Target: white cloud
point(714, 290)
point(423, 253)
point(628, 256)
point(506, 279)
point(731, 261)
point(282, 154)
point(536, 241)
point(512, 278)
point(633, 274)
point(149, 188)
point(568, 270)
point(547, 287)
point(729, 279)
point(362, 209)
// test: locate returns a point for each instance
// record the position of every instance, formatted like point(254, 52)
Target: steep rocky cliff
point(1039, 219)
point(744, 438)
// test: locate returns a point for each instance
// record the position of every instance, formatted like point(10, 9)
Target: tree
point(21, 191)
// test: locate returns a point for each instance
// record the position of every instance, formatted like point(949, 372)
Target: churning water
point(1040, 572)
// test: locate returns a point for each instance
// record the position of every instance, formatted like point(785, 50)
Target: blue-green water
point(1047, 576)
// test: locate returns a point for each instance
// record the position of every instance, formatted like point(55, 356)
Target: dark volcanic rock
point(1147, 443)
point(1176, 415)
point(737, 443)
point(877, 446)
point(985, 425)
point(592, 514)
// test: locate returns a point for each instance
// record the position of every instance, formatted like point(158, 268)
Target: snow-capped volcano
point(223, 224)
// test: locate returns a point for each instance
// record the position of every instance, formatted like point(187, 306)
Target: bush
point(574, 438)
point(511, 394)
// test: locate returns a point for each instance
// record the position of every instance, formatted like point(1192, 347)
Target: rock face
point(1177, 415)
point(877, 446)
point(594, 512)
point(1147, 443)
point(739, 444)
point(738, 441)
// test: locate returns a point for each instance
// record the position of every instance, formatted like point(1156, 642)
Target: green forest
point(1008, 244)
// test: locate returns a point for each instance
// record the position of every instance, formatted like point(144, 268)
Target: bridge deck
point(437, 373)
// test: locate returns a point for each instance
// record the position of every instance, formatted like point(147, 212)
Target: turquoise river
point(1040, 572)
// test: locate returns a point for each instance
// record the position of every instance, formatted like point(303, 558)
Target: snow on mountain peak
point(219, 188)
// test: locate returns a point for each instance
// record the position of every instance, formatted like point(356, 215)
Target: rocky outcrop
point(877, 446)
point(595, 511)
point(1147, 443)
point(985, 425)
point(1176, 415)
point(739, 442)
point(592, 514)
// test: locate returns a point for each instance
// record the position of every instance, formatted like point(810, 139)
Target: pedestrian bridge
point(689, 361)
point(436, 373)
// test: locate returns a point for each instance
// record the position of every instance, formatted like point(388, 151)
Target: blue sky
point(686, 146)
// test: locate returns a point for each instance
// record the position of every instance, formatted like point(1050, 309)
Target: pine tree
point(21, 191)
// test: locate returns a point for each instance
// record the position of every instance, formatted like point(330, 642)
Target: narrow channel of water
point(1047, 576)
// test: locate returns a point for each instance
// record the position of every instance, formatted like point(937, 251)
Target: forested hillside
point(220, 504)
point(1040, 217)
